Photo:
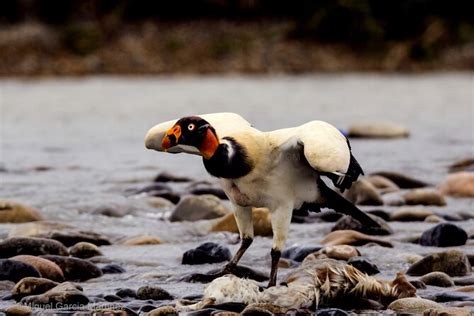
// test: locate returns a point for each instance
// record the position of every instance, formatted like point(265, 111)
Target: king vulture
point(280, 170)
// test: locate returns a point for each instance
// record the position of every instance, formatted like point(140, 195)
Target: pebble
point(352, 237)
point(264, 309)
point(424, 197)
point(340, 252)
point(363, 264)
point(14, 212)
point(469, 280)
point(76, 269)
point(460, 184)
point(382, 184)
point(65, 293)
point(126, 293)
point(434, 219)
point(444, 235)
point(112, 269)
point(240, 271)
point(468, 288)
point(200, 188)
point(452, 296)
point(349, 223)
point(168, 177)
point(194, 208)
point(18, 310)
point(142, 240)
point(418, 284)
point(462, 165)
point(262, 225)
point(453, 262)
point(6, 285)
point(163, 311)
point(158, 202)
point(66, 234)
point(331, 312)
point(31, 246)
point(112, 298)
point(84, 250)
point(410, 215)
point(413, 305)
point(47, 268)
point(380, 213)
point(378, 130)
point(447, 311)
point(403, 181)
point(298, 253)
point(208, 252)
point(15, 270)
point(437, 278)
point(153, 293)
point(153, 188)
point(362, 192)
point(165, 194)
point(32, 286)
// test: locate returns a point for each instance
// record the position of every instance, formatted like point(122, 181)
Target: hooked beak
point(171, 137)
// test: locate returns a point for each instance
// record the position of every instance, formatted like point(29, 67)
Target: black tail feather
point(337, 202)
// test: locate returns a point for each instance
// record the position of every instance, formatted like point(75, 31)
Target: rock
point(413, 305)
point(154, 187)
point(383, 184)
point(18, 310)
point(437, 278)
point(31, 246)
point(403, 181)
point(64, 294)
point(76, 269)
point(168, 177)
point(418, 284)
point(264, 309)
point(460, 184)
point(298, 253)
point(66, 234)
point(202, 187)
point(6, 286)
point(444, 235)
point(163, 311)
point(352, 237)
point(461, 281)
point(468, 289)
point(349, 223)
point(142, 240)
point(434, 219)
point(153, 293)
point(380, 213)
point(47, 268)
point(15, 270)
point(14, 212)
point(208, 252)
point(84, 250)
point(424, 197)
point(453, 262)
point(112, 269)
point(328, 216)
point(111, 210)
point(165, 194)
point(447, 311)
point(462, 165)
point(362, 192)
point(194, 208)
point(32, 286)
point(158, 202)
point(262, 225)
point(112, 298)
point(126, 293)
point(377, 130)
point(340, 252)
point(393, 199)
point(331, 312)
point(363, 264)
point(452, 296)
point(410, 215)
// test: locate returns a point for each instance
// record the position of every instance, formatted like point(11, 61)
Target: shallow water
point(90, 131)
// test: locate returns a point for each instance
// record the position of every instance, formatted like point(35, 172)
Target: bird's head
point(192, 131)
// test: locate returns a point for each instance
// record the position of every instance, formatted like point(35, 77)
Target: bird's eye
point(191, 127)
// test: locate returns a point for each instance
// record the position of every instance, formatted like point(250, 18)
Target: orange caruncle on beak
point(171, 137)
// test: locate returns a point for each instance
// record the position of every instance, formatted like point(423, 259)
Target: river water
point(88, 135)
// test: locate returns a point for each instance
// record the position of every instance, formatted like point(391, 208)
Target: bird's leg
point(281, 219)
point(243, 217)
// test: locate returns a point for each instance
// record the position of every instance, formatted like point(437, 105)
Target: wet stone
point(194, 208)
point(14, 212)
point(424, 197)
point(76, 269)
point(153, 293)
point(15, 270)
point(18, 310)
point(452, 296)
point(419, 285)
point(242, 272)
point(64, 294)
point(126, 293)
point(31, 246)
point(298, 253)
point(403, 181)
point(437, 278)
point(362, 192)
point(84, 250)
point(112, 298)
point(352, 237)
point(458, 185)
point(264, 309)
point(349, 223)
point(331, 312)
point(162, 311)
point(207, 253)
point(453, 262)
point(168, 177)
point(462, 281)
point(46, 268)
point(412, 305)
point(112, 269)
point(32, 286)
point(444, 235)
point(364, 265)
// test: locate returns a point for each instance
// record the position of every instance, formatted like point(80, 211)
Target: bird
point(281, 170)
